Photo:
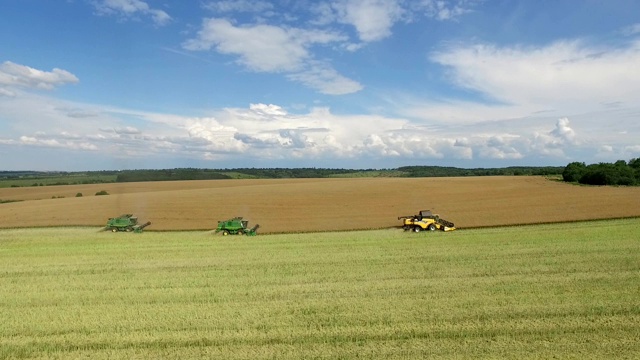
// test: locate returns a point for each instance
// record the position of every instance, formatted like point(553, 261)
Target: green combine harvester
point(125, 222)
point(236, 226)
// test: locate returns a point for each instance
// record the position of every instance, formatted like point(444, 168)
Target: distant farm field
point(562, 291)
point(302, 205)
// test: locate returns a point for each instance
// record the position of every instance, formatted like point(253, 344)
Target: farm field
point(547, 291)
point(307, 205)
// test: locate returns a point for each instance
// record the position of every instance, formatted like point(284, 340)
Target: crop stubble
point(300, 205)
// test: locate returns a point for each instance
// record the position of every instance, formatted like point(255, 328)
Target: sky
point(157, 84)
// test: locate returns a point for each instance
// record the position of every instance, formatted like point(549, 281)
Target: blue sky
point(131, 84)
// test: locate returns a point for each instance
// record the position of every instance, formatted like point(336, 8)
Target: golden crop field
point(302, 205)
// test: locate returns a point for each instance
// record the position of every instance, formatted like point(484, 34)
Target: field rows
point(302, 205)
point(548, 291)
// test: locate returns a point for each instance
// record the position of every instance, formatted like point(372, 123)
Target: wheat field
point(307, 205)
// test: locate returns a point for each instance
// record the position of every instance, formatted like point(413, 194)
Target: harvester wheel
point(240, 232)
point(114, 229)
point(225, 233)
point(417, 229)
point(129, 229)
point(431, 227)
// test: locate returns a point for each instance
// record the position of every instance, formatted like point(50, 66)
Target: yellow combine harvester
point(426, 220)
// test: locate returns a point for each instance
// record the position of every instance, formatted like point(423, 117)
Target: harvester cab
point(125, 222)
point(236, 226)
point(425, 220)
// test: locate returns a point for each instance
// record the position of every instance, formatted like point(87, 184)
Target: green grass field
point(547, 291)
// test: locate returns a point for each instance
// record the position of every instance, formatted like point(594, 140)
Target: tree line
point(216, 174)
point(169, 175)
point(37, 178)
point(293, 173)
point(618, 173)
point(441, 171)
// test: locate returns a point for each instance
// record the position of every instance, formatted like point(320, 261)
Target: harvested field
point(301, 205)
point(557, 291)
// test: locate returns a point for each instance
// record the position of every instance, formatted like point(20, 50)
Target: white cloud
point(612, 153)
point(273, 133)
point(631, 30)
point(131, 8)
point(7, 92)
point(269, 132)
point(565, 73)
point(267, 48)
point(127, 130)
point(564, 131)
point(282, 48)
point(325, 79)
point(445, 9)
point(260, 47)
point(239, 6)
point(80, 113)
point(633, 150)
point(555, 142)
point(462, 112)
point(15, 75)
point(42, 140)
point(597, 87)
point(216, 137)
point(503, 146)
point(373, 19)
point(160, 17)
point(323, 12)
point(606, 148)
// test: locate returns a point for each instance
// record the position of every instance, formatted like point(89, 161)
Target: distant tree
point(618, 173)
point(635, 165)
point(598, 174)
point(574, 171)
point(102, 192)
point(625, 174)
